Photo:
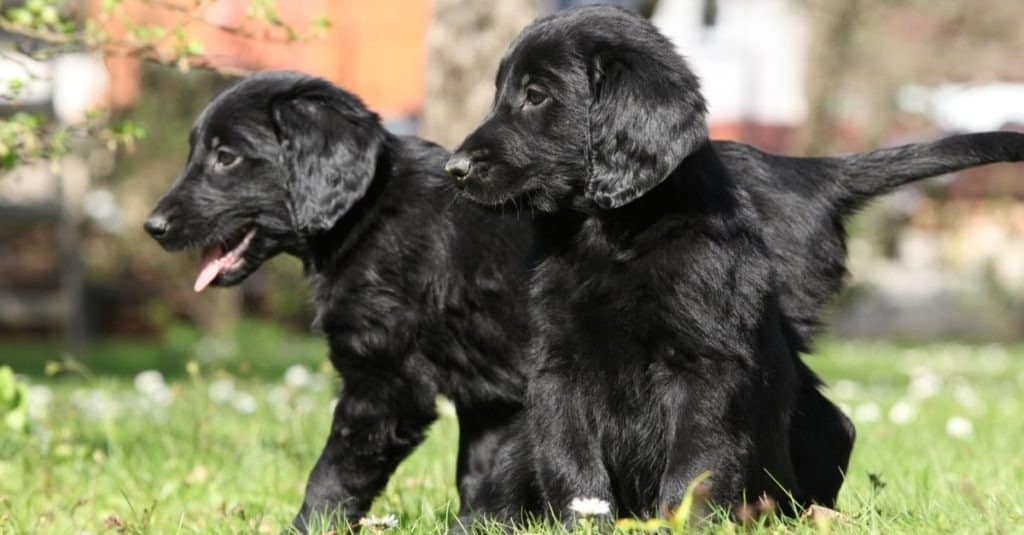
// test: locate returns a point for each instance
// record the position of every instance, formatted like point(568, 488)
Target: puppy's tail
point(867, 175)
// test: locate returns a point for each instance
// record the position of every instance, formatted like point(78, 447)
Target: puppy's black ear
point(646, 116)
point(330, 145)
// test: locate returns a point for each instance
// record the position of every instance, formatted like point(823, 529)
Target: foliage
point(252, 349)
point(13, 401)
point(45, 29)
point(679, 520)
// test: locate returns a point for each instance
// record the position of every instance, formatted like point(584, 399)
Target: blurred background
point(129, 403)
point(97, 97)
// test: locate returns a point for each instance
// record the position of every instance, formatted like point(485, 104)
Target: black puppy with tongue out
point(418, 295)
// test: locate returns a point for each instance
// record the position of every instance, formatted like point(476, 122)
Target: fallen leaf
point(817, 513)
point(198, 475)
point(114, 522)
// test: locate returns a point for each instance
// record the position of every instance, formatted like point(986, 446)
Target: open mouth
point(223, 257)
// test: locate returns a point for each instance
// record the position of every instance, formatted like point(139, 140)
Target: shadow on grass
point(255, 348)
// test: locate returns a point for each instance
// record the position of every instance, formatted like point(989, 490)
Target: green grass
point(254, 349)
point(103, 457)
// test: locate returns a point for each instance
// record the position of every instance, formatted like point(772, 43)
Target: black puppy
point(680, 276)
point(418, 295)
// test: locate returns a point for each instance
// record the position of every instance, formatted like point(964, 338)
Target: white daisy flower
point(278, 395)
point(966, 396)
point(150, 384)
point(902, 413)
point(867, 412)
point(159, 397)
point(96, 404)
point(244, 403)
point(590, 506)
point(959, 427)
point(297, 376)
point(388, 521)
point(149, 380)
point(222, 390)
point(39, 399)
point(925, 385)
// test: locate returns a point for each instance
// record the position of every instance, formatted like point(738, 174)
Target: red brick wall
point(374, 49)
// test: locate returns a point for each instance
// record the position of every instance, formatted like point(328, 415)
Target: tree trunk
point(832, 28)
point(467, 40)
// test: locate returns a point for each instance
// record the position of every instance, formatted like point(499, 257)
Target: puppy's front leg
point(375, 426)
point(566, 449)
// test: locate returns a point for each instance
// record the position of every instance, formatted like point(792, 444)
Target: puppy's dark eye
point(226, 158)
point(534, 96)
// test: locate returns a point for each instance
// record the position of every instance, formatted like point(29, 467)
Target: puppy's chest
point(363, 296)
point(661, 308)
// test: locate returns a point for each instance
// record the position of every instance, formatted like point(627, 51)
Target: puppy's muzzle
point(459, 167)
point(157, 225)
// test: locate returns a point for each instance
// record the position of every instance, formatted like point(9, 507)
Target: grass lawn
point(226, 448)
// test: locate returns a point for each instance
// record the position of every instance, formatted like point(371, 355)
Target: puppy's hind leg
point(737, 428)
point(495, 471)
point(821, 439)
point(701, 440)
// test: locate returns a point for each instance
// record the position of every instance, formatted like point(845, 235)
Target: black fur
point(418, 295)
point(680, 276)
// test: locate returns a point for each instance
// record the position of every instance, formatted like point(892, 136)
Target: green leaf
point(49, 15)
point(8, 160)
point(20, 16)
point(321, 22)
point(15, 86)
point(109, 5)
point(650, 525)
point(7, 386)
point(13, 400)
point(681, 516)
point(35, 6)
point(194, 48)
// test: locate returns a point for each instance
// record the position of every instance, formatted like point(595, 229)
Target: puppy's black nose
point(459, 166)
point(156, 225)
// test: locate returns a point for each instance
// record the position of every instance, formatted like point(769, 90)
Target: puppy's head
point(592, 109)
point(273, 160)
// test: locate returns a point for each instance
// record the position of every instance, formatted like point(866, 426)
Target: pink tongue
point(211, 266)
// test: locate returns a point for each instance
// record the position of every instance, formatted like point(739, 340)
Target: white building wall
point(751, 61)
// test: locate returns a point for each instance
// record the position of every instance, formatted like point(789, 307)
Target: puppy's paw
point(324, 519)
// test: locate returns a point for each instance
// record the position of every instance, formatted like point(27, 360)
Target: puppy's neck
point(700, 186)
point(699, 190)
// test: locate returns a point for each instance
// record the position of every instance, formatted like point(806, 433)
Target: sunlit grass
point(940, 448)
